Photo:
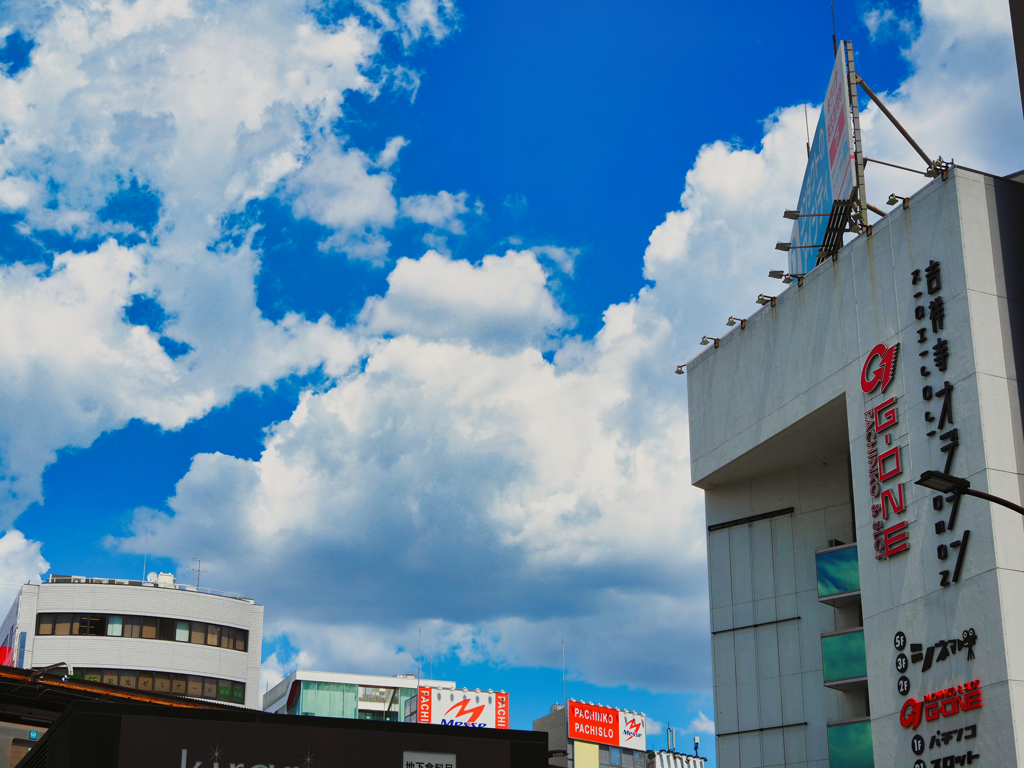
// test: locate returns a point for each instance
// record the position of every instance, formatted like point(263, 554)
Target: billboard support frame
point(858, 145)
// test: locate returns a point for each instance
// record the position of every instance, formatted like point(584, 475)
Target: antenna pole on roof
point(419, 654)
point(807, 127)
point(145, 553)
point(563, 672)
point(835, 43)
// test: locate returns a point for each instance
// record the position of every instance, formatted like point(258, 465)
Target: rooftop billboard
point(830, 172)
point(470, 709)
point(604, 725)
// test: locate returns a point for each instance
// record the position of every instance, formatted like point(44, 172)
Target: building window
point(146, 627)
point(603, 755)
point(162, 682)
point(838, 571)
point(849, 745)
point(616, 756)
point(843, 656)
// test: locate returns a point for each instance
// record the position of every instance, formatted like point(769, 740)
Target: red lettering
point(887, 496)
point(971, 700)
point(950, 707)
point(882, 374)
point(896, 539)
point(910, 715)
point(932, 710)
point(884, 474)
point(887, 412)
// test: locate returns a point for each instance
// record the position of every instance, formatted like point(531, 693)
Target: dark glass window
point(227, 637)
point(198, 633)
point(132, 626)
point(241, 639)
point(165, 629)
point(238, 693)
point(149, 627)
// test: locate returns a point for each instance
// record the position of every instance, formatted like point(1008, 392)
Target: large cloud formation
point(471, 466)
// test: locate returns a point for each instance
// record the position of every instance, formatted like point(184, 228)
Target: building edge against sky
point(151, 635)
point(859, 619)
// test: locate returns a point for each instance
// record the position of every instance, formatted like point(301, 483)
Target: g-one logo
point(883, 359)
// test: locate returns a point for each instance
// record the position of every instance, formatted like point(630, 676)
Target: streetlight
point(959, 486)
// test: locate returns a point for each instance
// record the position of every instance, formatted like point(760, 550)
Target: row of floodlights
point(795, 215)
point(762, 298)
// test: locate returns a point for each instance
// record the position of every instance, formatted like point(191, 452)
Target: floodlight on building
point(780, 246)
point(733, 320)
point(763, 300)
point(707, 340)
point(778, 274)
point(788, 214)
point(961, 486)
point(894, 198)
point(680, 369)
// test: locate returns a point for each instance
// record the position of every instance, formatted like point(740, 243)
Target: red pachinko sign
point(424, 707)
point(501, 710)
point(884, 457)
point(588, 722)
point(944, 703)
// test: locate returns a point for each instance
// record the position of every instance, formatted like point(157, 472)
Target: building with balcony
point(859, 619)
point(154, 635)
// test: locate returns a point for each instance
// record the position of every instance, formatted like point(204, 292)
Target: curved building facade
point(155, 635)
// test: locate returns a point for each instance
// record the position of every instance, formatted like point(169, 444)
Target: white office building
point(154, 635)
point(859, 619)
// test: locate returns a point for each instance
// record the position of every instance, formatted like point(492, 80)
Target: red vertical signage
point(424, 706)
point(501, 710)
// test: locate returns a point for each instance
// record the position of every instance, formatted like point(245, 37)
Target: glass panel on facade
point(198, 633)
point(195, 686)
point(44, 624)
point(322, 708)
point(838, 572)
point(307, 699)
point(145, 681)
point(110, 676)
point(616, 756)
point(128, 678)
point(212, 634)
point(114, 626)
point(209, 688)
point(224, 690)
point(132, 626)
point(93, 675)
point(162, 682)
point(63, 624)
point(843, 656)
point(849, 745)
point(238, 693)
point(181, 631)
point(149, 627)
point(241, 639)
point(179, 685)
point(227, 637)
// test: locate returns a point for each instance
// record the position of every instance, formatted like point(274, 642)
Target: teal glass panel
point(323, 700)
point(307, 699)
point(351, 700)
point(337, 700)
point(849, 746)
point(838, 572)
point(843, 656)
point(404, 694)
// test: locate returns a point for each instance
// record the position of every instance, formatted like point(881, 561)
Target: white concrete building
point(858, 619)
point(154, 635)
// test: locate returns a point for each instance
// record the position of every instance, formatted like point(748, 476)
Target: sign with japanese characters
point(604, 725)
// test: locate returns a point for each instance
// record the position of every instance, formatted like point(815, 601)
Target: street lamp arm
point(995, 500)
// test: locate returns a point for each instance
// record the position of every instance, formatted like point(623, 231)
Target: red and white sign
point(604, 725)
point(469, 709)
point(944, 703)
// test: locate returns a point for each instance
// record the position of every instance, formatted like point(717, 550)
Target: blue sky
point(376, 307)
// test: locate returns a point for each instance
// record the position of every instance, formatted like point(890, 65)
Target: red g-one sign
point(879, 367)
point(605, 725)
